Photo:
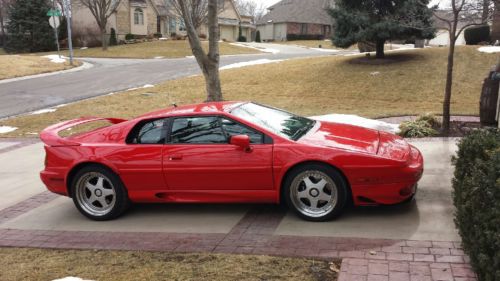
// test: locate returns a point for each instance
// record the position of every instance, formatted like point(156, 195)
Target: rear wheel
point(99, 193)
point(315, 192)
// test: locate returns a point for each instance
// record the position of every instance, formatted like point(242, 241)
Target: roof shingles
point(301, 11)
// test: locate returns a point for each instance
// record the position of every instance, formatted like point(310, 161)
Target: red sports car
point(228, 152)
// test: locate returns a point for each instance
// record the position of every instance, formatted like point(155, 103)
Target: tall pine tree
point(378, 21)
point(28, 27)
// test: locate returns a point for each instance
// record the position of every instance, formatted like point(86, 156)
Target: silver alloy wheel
point(313, 193)
point(95, 194)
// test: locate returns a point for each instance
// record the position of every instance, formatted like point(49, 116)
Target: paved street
point(112, 75)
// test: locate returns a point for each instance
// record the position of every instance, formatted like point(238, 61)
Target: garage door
point(227, 33)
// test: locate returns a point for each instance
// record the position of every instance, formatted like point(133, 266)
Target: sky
point(266, 3)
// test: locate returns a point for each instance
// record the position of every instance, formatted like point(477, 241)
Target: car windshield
point(280, 122)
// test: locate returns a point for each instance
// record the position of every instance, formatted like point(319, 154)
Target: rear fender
point(50, 135)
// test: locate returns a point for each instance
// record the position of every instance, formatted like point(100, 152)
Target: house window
point(138, 16)
point(182, 25)
point(172, 25)
point(303, 28)
point(326, 30)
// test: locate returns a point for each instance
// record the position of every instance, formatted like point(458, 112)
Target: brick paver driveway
point(415, 241)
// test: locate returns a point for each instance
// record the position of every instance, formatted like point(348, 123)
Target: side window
point(149, 132)
point(232, 128)
point(201, 130)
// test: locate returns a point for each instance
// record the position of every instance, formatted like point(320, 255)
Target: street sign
point(52, 13)
point(54, 21)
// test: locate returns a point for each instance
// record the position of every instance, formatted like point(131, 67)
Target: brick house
point(289, 18)
point(148, 17)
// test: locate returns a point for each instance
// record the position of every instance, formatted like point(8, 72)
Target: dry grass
point(166, 49)
point(15, 66)
point(413, 83)
point(39, 264)
point(327, 44)
point(2, 52)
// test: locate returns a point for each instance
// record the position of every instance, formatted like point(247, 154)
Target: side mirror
point(242, 141)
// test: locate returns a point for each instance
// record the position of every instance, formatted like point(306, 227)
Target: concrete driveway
point(113, 75)
point(428, 218)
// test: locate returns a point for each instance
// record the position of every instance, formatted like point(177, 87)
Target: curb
point(85, 65)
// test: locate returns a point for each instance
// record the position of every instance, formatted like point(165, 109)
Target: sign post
point(53, 14)
point(67, 10)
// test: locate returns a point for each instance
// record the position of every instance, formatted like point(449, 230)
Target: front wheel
point(315, 192)
point(99, 193)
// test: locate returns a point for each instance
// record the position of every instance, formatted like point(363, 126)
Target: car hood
point(357, 139)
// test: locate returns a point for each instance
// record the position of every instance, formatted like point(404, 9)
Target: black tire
point(111, 182)
point(313, 170)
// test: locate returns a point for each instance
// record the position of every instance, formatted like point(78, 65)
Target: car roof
point(195, 109)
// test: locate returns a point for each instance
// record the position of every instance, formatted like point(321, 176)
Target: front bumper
point(388, 193)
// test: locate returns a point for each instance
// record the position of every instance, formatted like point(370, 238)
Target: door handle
point(175, 157)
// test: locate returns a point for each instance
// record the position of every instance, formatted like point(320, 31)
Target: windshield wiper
point(302, 131)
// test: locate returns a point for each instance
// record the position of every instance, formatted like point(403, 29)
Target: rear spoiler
point(50, 136)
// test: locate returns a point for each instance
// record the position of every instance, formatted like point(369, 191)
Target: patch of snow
point(7, 129)
point(84, 48)
point(42, 111)
point(262, 49)
point(189, 57)
point(325, 50)
point(136, 88)
point(71, 278)
point(162, 38)
point(56, 58)
point(159, 57)
point(61, 105)
point(248, 63)
point(489, 49)
point(359, 121)
point(375, 73)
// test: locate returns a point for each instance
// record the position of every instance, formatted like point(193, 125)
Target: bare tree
point(198, 10)
point(192, 12)
point(250, 8)
point(101, 10)
point(3, 13)
point(463, 14)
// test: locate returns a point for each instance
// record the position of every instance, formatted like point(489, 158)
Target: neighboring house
point(229, 21)
point(296, 17)
point(149, 17)
point(442, 35)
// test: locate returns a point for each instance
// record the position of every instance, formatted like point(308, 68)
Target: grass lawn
point(327, 44)
point(412, 84)
point(42, 264)
point(15, 66)
point(166, 49)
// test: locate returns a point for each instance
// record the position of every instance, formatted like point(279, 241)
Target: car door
point(140, 159)
point(198, 156)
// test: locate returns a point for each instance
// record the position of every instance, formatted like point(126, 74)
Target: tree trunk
point(104, 40)
point(212, 79)
point(214, 92)
point(486, 11)
point(380, 49)
point(209, 63)
point(495, 28)
point(2, 28)
point(449, 83)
